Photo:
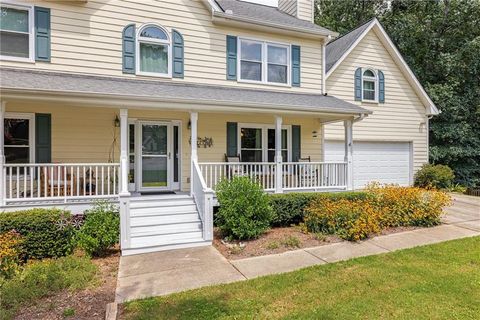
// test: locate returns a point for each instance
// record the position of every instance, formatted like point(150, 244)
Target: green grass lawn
point(440, 281)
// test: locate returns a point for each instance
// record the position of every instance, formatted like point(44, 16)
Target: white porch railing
point(204, 199)
point(60, 181)
point(295, 175)
point(262, 172)
point(314, 175)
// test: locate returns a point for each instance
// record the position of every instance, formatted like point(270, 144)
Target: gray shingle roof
point(339, 46)
point(264, 13)
point(158, 90)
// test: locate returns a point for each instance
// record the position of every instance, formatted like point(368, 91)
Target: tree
point(440, 40)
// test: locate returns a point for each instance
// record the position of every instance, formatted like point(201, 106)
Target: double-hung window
point(369, 85)
point(16, 32)
point(18, 138)
point(264, 62)
point(154, 48)
point(257, 143)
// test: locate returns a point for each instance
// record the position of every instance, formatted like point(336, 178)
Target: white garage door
point(385, 162)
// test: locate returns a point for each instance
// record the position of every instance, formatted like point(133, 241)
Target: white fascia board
point(396, 55)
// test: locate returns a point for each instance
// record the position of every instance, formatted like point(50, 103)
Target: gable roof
point(339, 49)
point(122, 91)
point(264, 15)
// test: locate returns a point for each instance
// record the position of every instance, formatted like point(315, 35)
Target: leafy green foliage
point(245, 210)
point(46, 233)
point(434, 176)
point(440, 41)
point(289, 208)
point(101, 229)
point(42, 278)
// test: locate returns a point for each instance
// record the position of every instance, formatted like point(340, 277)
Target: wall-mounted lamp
point(189, 125)
point(314, 134)
point(116, 122)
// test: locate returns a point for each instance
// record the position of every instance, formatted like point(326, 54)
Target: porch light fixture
point(189, 125)
point(314, 134)
point(116, 122)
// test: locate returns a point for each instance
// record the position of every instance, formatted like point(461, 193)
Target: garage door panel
point(385, 162)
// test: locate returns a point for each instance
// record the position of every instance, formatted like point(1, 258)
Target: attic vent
point(228, 11)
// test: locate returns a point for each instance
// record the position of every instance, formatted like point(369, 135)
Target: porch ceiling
point(84, 89)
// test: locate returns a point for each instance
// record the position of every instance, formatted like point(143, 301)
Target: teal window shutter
point(43, 138)
point(178, 51)
point(128, 48)
point(232, 150)
point(296, 143)
point(381, 87)
point(231, 58)
point(42, 34)
point(296, 66)
point(358, 84)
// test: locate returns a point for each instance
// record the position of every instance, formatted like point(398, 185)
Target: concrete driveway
point(165, 272)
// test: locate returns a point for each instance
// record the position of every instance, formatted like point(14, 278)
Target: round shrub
point(100, 230)
point(46, 233)
point(245, 210)
point(434, 176)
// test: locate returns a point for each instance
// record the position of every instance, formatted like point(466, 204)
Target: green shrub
point(100, 230)
point(289, 208)
point(245, 210)
point(386, 207)
point(47, 233)
point(434, 176)
point(43, 278)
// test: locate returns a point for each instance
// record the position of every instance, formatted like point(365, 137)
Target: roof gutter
point(227, 17)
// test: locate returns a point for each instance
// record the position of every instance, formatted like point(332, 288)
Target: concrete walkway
point(162, 273)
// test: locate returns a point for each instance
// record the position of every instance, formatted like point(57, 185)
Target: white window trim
point(168, 42)
point(264, 128)
point(31, 130)
point(375, 81)
point(264, 62)
point(31, 34)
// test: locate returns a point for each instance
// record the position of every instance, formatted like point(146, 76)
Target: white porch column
point(278, 155)
point(124, 162)
point(348, 124)
point(2, 155)
point(193, 139)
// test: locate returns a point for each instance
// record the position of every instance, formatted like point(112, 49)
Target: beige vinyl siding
point(305, 10)
point(87, 38)
point(401, 118)
point(288, 6)
point(87, 134)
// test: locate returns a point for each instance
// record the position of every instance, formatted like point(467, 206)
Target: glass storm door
point(154, 157)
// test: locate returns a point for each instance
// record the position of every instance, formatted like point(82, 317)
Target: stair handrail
point(203, 197)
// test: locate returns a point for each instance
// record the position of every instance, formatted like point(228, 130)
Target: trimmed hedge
point(436, 176)
point(289, 208)
point(46, 233)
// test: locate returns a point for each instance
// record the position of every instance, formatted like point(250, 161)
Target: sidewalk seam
point(235, 267)
point(317, 257)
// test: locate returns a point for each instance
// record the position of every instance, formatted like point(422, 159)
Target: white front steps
point(163, 222)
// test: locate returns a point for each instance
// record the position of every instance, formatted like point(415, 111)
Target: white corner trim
point(432, 109)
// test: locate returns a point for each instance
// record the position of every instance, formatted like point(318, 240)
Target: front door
point(154, 156)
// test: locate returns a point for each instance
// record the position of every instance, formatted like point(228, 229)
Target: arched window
point(153, 51)
point(369, 85)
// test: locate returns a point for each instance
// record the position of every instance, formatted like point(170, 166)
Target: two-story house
point(151, 103)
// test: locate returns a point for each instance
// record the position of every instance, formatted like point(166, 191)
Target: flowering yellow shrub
point(384, 207)
point(10, 253)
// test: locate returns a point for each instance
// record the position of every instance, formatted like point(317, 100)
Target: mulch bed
point(89, 303)
point(276, 240)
